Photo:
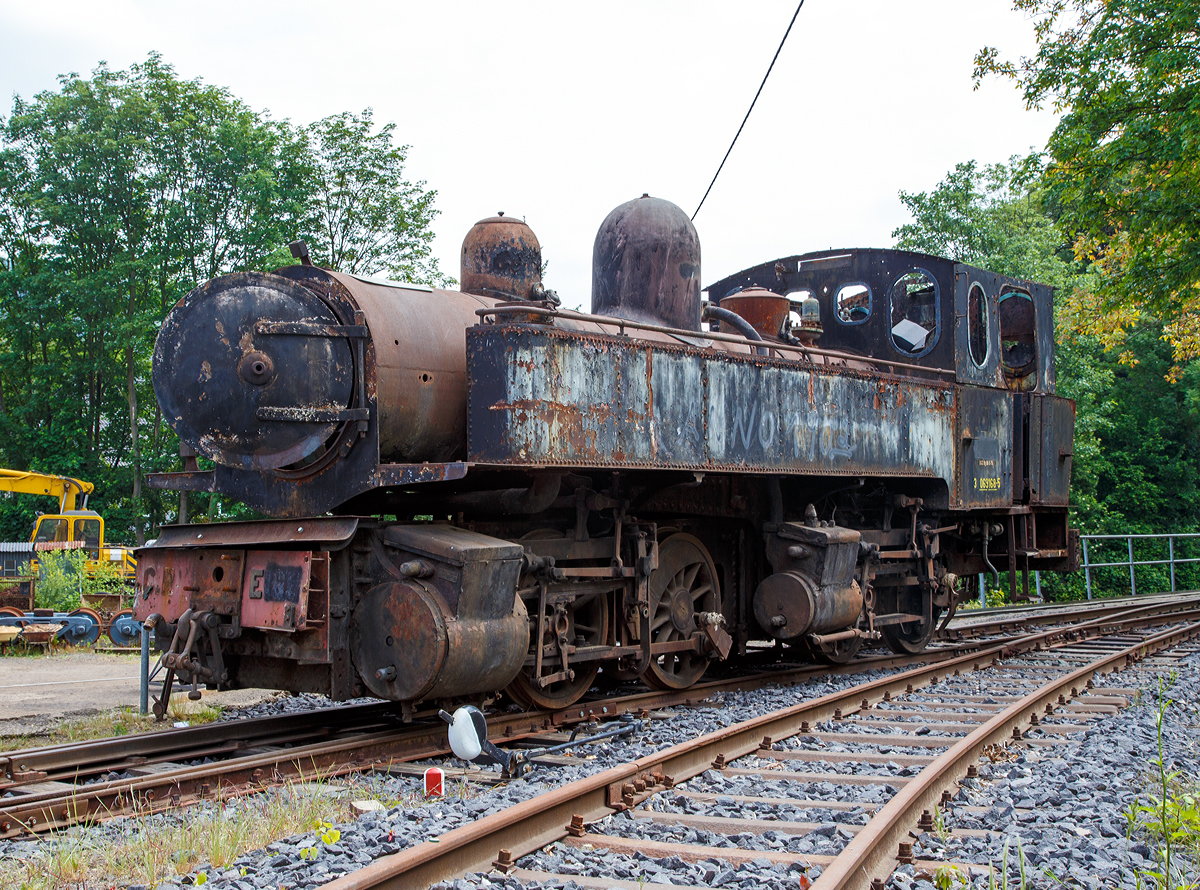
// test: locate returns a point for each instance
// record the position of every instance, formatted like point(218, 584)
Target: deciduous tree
point(1123, 164)
point(118, 194)
point(367, 219)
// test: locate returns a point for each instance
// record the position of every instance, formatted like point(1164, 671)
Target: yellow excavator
point(70, 528)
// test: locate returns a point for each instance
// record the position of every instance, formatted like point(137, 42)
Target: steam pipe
point(716, 313)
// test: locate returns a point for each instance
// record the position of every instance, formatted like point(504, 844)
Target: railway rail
point(1045, 705)
point(49, 788)
point(44, 789)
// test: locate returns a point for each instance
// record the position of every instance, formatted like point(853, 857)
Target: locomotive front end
point(306, 388)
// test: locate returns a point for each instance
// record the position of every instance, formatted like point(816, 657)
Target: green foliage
point(991, 218)
point(118, 194)
point(1123, 169)
point(950, 877)
point(1137, 436)
point(1171, 816)
point(60, 583)
point(1022, 880)
point(366, 216)
point(63, 579)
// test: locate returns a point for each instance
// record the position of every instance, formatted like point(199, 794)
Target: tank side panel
point(548, 397)
point(675, 386)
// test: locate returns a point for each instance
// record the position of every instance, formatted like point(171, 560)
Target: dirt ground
point(39, 691)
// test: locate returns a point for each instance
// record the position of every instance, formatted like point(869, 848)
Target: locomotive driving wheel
point(911, 637)
point(582, 622)
point(683, 585)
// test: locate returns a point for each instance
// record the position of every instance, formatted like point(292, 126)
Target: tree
point(1123, 164)
point(992, 219)
point(120, 193)
point(366, 217)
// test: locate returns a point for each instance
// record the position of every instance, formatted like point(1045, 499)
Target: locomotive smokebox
point(229, 389)
point(501, 258)
point(646, 265)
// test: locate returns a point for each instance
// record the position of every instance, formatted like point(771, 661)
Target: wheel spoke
point(696, 586)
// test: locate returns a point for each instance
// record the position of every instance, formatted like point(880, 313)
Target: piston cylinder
point(408, 645)
point(813, 589)
point(456, 625)
point(788, 605)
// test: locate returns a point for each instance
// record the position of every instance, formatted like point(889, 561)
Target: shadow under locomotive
point(479, 492)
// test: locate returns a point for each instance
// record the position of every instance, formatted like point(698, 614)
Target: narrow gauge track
point(952, 723)
point(44, 789)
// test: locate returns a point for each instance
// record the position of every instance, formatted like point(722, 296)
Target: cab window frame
point(837, 309)
point(1014, 292)
point(985, 321)
point(934, 336)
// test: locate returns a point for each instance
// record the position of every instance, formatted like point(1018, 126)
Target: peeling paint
point(546, 397)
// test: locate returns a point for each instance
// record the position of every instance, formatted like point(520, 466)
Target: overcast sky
point(560, 111)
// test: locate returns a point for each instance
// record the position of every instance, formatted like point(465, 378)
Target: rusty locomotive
point(477, 492)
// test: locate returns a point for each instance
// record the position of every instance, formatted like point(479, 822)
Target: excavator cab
point(81, 530)
point(78, 530)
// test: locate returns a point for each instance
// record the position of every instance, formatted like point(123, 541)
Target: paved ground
point(38, 691)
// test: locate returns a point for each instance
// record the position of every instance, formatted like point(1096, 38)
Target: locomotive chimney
point(501, 258)
point(646, 265)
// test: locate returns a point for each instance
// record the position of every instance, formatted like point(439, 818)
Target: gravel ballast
point(1066, 804)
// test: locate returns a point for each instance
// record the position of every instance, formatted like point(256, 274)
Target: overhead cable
point(751, 108)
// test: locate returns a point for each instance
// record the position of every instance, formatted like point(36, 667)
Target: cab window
point(49, 530)
point(853, 302)
point(977, 324)
point(88, 531)
point(1018, 332)
point(915, 319)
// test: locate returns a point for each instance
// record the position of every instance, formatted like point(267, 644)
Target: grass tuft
point(115, 723)
point(152, 849)
point(210, 838)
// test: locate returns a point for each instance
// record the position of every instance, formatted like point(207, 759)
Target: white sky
point(560, 111)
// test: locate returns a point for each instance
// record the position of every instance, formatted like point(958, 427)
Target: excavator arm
point(64, 488)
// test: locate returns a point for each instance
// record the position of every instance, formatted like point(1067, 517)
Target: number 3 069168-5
point(987, 484)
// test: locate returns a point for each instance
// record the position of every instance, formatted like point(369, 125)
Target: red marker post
point(434, 782)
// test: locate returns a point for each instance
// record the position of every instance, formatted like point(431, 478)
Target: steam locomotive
point(478, 492)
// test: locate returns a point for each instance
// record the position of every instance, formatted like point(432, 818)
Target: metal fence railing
point(1092, 543)
point(1171, 560)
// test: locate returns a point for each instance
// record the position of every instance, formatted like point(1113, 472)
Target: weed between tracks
point(115, 723)
point(148, 849)
point(1169, 814)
